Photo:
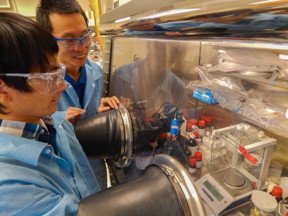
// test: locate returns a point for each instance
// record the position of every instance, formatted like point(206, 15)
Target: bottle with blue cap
point(174, 129)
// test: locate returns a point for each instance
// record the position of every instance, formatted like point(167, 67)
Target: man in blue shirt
point(43, 169)
point(68, 23)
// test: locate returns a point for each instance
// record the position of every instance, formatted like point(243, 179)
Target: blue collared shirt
point(92, 93)
point(78, 85)
point(36, 181)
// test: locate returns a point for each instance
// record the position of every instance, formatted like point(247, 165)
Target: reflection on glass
point(147, 83)
point(253, 169)
point(153, 93)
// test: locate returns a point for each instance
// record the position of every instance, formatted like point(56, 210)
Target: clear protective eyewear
point(44, 83)
point(72, 43)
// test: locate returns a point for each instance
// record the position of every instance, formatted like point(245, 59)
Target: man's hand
point(107, 103)
point(73, 114)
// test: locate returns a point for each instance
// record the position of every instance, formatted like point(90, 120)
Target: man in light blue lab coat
point(68, 24)
point(43, 169)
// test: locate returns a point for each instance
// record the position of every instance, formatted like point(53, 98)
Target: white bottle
point(263, 204)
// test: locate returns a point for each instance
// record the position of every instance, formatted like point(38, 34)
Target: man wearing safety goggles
point(43, 169)
point(68, 24)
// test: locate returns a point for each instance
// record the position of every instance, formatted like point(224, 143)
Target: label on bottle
point(192, 170)
point(192, 149)
point(199, 164)
point(174, 130)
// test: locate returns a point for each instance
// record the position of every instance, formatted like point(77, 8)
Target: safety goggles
point(44, 83)
point(73, 43)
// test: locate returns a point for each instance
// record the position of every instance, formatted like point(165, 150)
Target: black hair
point(25, 47)
point(46, 7)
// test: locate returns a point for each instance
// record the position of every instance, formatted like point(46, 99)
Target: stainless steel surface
point(122, 135)
point(242, 43)
point(133, 8)
point(138, 10)
point(183, 179)
point(234, 180)
point(127, 139)
point(177, 188)
point(106, 64)
point(152, 71)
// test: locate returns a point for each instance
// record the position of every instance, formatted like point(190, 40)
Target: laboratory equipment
point(263, 204)
point(282, 209)
point(165, 188)
point(122, 132)
point(240, 160)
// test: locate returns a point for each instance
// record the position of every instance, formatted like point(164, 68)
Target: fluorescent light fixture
point(171, 12)
point(123, 19)
point(263, 2)
point(284, 57)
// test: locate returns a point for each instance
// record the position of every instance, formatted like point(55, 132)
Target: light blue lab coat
point(92, 94)
point(91, 101)
point(35, 181)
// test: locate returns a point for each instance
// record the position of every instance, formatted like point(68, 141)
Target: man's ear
point(4, 93)
point(2, 86)
point(5, 97)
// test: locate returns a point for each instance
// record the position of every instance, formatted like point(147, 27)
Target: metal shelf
point(133, 8)
point(280, 84)
point(276, 44)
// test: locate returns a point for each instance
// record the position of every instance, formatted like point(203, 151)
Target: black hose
point(151, 194)
point(99, 135)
